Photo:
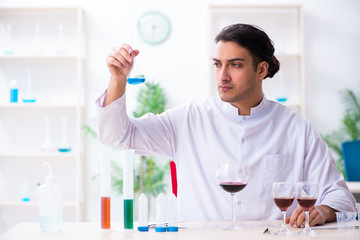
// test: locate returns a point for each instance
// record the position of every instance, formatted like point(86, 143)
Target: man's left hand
point(318, 215)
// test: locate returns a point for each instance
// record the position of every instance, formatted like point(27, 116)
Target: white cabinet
point(45, 44)
point(284, 25)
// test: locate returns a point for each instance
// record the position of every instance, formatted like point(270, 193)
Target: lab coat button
point(242, 140)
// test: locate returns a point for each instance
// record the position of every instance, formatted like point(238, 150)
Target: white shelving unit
point(284, 25)
point(48, 42)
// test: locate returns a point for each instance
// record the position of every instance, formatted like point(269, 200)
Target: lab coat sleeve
point(148, 135)
point(319, 166)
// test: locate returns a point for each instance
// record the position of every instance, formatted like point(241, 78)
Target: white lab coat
point(276, 143)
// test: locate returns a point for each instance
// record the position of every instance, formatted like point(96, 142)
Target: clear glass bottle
point(14, 91)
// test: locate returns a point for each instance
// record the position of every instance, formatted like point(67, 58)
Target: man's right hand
point(119, 62)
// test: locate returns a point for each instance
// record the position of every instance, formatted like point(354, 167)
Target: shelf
point(31, 204)
point(54, 154)
point(36, 105)
point(50, 56)
point(35, 34)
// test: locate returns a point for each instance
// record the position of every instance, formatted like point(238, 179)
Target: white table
point(191, 231)
point(354, 187)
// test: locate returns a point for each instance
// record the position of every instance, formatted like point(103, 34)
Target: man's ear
point(263, 68)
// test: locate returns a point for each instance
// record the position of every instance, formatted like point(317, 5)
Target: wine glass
point(306, 195)
point(232, 177)
point(283, 194)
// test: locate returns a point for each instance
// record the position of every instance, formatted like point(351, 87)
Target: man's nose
point(224, 75)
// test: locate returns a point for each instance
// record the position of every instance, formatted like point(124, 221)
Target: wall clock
point(153, 27)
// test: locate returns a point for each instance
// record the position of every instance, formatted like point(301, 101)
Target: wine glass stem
point(233, 209)
point(284, 219)
point(307, 226)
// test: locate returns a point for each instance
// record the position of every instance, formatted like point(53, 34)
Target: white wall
point(332, 36)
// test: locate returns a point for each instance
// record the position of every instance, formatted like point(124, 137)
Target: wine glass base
point(284, 232)
point(232, 227)
point(308, 231)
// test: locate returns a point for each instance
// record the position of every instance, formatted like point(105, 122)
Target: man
point(276, 143)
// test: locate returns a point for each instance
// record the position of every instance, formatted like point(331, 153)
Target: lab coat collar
point(232, 111)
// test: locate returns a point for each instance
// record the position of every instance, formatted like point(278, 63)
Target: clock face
point(153, 27)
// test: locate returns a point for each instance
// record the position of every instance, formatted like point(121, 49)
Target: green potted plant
point(148, 175)
point(350, 127)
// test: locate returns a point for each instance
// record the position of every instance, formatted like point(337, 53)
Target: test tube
point(128, 181)
point(281, 94)
point(47, 145)
point(172, 214)
point(8, 41)
point(61, 48)
point(160, 213)
point(105, 191)
point(64, 145)
point(37, 43)
point(143, 213)
point(29, 96)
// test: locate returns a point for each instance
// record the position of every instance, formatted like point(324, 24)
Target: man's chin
point(225, 98)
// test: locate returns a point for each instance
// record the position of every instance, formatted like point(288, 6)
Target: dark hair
point(255, 40)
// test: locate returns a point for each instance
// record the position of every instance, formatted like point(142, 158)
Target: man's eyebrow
point(230, 60)
point(236, 59)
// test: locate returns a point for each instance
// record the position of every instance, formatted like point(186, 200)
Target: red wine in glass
point(283, 195)
point(306, 202)
point(306, 195)
point(232, 177)
point(233, 187)
point(283, 203)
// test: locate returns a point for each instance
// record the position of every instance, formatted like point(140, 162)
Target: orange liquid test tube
point(105, 191)
point(105, 212)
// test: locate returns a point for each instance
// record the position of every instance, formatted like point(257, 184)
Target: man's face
point(236, 78)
